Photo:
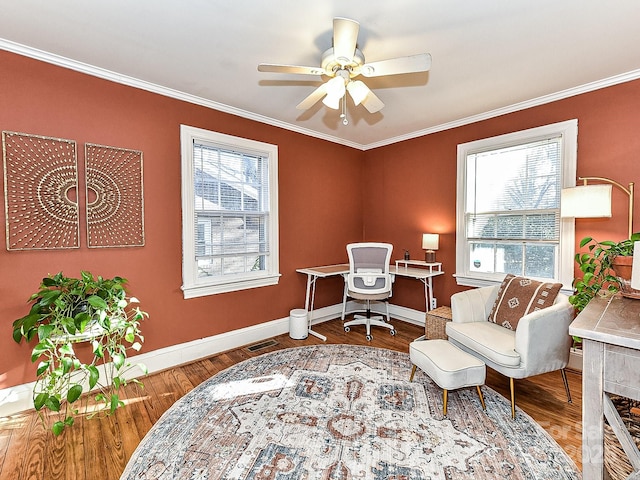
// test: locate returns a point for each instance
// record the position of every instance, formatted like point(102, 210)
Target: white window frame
point(192, 286)
point(569, 132)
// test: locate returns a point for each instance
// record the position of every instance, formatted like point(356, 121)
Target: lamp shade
point(332, 102)
point(430, 241)
point(586, 201)
point(335, 91)
point(358, 91)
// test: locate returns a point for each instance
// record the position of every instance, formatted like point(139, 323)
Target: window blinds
point(516, 192)
point(231, 210)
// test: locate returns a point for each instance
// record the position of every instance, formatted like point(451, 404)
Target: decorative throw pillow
point(519, 296)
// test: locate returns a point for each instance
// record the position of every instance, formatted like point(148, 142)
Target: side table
point(436, 322)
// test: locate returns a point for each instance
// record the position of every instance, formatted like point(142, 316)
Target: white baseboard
point(575, 360)
point(19, 398)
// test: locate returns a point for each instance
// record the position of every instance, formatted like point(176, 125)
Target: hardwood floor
point(100, 448)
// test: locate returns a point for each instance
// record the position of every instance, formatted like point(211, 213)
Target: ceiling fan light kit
point(358, 91)
point(342, 63)
point(332, 101)
point(336, 89)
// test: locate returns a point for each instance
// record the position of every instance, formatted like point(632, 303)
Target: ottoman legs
point(484, 407)
point(445, 398)
point(445, 393)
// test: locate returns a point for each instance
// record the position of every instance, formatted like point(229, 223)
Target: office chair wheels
point(392, 332)
point(369, 337)
point(347, 329)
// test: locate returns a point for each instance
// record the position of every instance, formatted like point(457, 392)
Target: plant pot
point(622, 267)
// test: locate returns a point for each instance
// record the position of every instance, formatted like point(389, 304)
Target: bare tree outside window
point(514, 224)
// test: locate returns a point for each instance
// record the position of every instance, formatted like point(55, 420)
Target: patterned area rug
point(341, 412)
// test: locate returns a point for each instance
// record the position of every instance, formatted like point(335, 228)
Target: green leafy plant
point(596, 267)
point(66, 311)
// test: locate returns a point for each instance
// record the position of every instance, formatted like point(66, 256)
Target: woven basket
point(615, 460)
point(436, 322)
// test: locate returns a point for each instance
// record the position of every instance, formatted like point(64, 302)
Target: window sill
point(480, 282)
point(194, 291)
point(474, 281)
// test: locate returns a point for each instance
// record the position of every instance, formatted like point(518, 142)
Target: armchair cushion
point(491, 341)
point(519, 296)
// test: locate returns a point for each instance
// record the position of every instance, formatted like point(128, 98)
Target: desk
point(314, 273)
point(435, 266)
point(610, 329)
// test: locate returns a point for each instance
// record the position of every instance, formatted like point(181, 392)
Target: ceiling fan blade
point(299, 69)
point(372, 103)
point(313, 98)
point(345, 37)
point(395, 66)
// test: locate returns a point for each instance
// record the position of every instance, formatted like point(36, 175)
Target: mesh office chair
point(369, 280)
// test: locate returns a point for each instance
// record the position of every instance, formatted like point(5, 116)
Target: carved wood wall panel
point(40, 186)
point(115, 203)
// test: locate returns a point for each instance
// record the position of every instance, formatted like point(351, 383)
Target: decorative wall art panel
point(115, 204)
point(40, 191)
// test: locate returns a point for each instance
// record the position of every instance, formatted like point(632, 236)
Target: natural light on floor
point(248, 386)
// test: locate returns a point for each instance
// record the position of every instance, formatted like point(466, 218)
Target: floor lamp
point(593, 201)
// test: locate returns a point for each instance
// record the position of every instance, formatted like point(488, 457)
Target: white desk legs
point(308, 304)
point(428, 291)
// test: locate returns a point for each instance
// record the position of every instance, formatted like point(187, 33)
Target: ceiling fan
point(344, 62)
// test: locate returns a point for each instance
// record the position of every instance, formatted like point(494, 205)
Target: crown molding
point(168, 92)
point(570, 92)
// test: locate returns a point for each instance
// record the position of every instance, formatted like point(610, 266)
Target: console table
point(610, 329)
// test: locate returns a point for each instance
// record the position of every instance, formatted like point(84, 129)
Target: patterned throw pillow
point(519, 296)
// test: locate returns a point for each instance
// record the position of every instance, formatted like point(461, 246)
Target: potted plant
point(66, 311)
point(606, 268)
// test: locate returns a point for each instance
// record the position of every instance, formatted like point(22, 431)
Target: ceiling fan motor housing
point(331, 64)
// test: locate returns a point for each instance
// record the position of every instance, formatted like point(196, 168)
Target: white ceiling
point(489, 56)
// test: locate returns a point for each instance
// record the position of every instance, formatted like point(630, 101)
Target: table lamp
point(430, 244)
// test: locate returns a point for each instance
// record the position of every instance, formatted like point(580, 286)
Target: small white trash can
point(298, 328)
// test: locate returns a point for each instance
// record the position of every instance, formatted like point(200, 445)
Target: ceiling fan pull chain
point(343, 115)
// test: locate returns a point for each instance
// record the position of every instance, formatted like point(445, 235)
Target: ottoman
point(448, 366)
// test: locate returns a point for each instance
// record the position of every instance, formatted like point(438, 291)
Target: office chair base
point(376, 321)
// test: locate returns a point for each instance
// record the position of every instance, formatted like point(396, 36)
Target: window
point(229, 213)
point(508, 206)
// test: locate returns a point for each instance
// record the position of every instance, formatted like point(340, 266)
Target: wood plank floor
point(100, 448)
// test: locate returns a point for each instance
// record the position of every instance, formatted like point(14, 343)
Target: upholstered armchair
point(539, 343)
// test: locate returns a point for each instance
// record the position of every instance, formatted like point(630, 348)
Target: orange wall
point(421, 173)
point(320, 211)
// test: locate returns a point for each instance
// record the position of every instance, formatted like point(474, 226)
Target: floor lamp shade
point(586, 201)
